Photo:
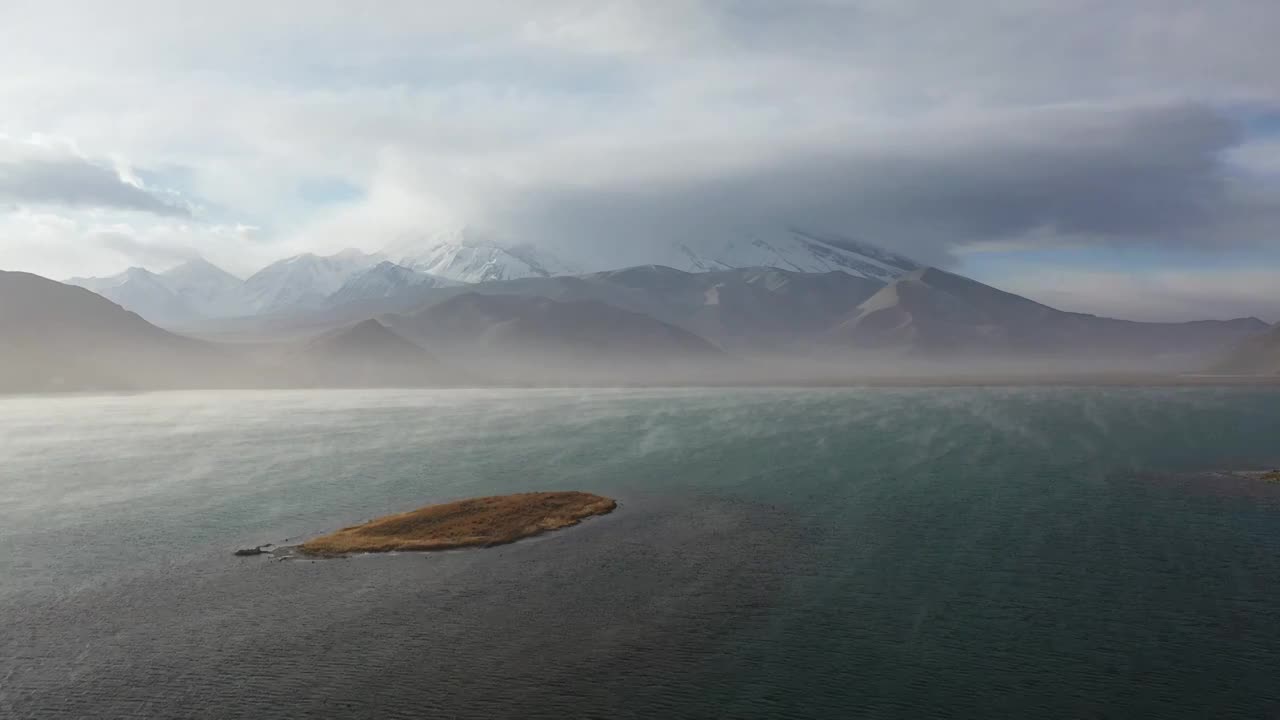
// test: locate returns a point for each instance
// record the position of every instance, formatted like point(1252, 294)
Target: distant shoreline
point(1047, 380)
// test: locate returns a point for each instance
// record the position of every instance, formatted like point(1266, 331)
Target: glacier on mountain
point(304, 280)
point(469, 256)
point(384, 280)
point(792, 249)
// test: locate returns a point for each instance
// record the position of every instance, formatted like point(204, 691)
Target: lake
point(873, 552)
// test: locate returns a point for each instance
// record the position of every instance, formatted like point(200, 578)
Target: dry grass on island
point(477, 522)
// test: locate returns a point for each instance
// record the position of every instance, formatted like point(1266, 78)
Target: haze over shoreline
point(877, 319)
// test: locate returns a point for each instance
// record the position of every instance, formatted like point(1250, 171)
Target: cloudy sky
point(1121, 158)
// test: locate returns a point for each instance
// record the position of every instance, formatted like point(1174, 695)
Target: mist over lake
point(927, 552)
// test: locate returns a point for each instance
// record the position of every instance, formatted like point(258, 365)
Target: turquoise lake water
point(880, 553)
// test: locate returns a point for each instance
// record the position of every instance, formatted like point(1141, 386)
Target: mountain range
point(176, 297)
point(465, 255)
point(60, 337)
point(822, 307)
point(191, 295)
point(536, 339)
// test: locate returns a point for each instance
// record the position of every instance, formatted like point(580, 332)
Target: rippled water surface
point(777, 553)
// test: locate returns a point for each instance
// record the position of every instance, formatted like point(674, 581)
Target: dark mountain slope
point(931, 311)
point(536, 337)
point(60, 337)
point(1255, 355)
point(368, 354)
point(56, 337)
point(748, 309)
point(736, 309)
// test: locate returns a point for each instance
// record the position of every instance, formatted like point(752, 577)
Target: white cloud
point(45, 171)
point(61, 244)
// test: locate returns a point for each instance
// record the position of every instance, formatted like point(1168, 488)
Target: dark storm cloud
point(64, 179)
point(1105, 174)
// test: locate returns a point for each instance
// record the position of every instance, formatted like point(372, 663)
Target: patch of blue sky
point(329, 191)
point(1254, 120)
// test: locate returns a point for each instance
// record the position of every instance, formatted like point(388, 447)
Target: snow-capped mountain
point(465, 255)
point(104, 285)
point(143, 292)
point(796, 250)
point(194, 290)
point(207, 289)
point(304, 280)
point(468, 256)
point(384, 280)
point(197, 290)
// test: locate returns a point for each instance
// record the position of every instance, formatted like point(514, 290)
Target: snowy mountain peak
point(120, 278)
point(199, 290)
point(198, 268)
point(199, 271)
point(304, 280)
point(207, 289)
point(466, 255)
point(99, 284)
point(794, 249)
point(194, 289)
point(384, 280)
point(141, 291)
point(350, 255)
point(386, 268)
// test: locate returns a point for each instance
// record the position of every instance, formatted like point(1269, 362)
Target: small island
point(477, 522)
